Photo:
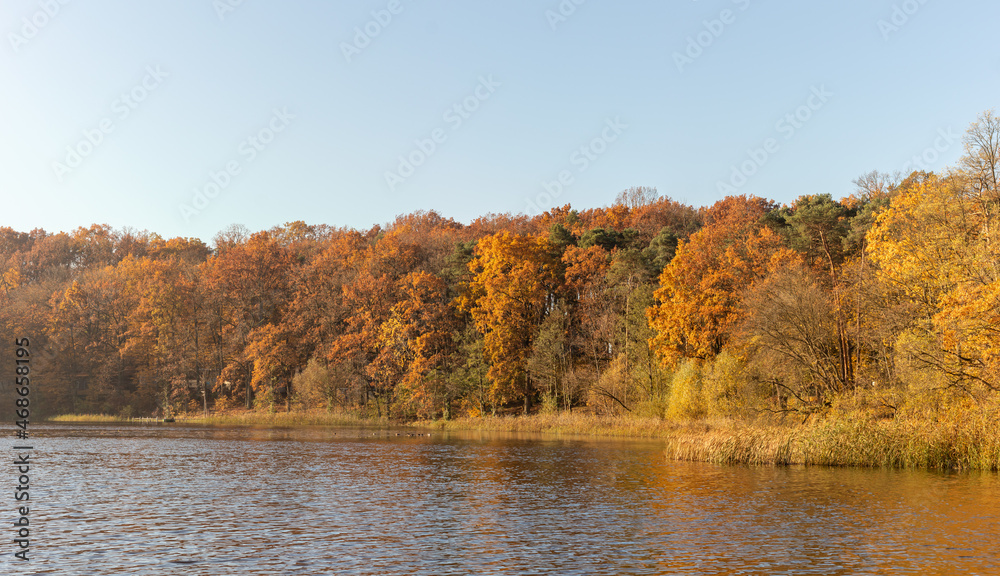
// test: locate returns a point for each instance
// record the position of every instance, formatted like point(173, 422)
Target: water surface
point(192, 500)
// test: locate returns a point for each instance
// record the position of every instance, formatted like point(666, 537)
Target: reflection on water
point(175, 500)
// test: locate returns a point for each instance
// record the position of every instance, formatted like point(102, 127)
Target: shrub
point(686, 394)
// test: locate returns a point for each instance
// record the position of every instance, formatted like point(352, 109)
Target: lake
point(169, 499)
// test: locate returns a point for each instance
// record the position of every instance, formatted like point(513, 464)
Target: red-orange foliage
point(701, 288)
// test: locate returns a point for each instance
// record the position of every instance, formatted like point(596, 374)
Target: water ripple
point(174, 500)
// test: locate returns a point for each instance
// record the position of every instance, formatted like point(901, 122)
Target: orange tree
point(698, 302)
point(512, 289)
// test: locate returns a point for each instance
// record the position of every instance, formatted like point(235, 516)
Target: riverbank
point(242, 418)
point(86, 418)
point(846, 439)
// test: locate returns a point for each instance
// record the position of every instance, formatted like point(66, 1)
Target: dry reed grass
point(961, 441)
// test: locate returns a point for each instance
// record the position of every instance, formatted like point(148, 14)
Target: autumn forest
point(887, 299)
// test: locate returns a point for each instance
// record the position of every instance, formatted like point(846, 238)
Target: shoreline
point(847, 440)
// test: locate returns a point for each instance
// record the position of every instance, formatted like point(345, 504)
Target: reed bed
point(283, 419)
point(561, 423)
point(842, 440)
point(95, 418)
point(963, 441)
point(957, 445)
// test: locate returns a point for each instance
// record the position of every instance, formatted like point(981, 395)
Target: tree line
point(887, 298)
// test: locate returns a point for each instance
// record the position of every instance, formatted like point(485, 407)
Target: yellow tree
point(511, 291)
point(416, 343)
point(273, 358)
point(932, 249)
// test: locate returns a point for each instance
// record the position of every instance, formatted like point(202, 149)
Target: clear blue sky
point(310, 117)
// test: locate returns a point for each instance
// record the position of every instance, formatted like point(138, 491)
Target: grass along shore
point(87, 418)
point(847, 439)
point(241, 418)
